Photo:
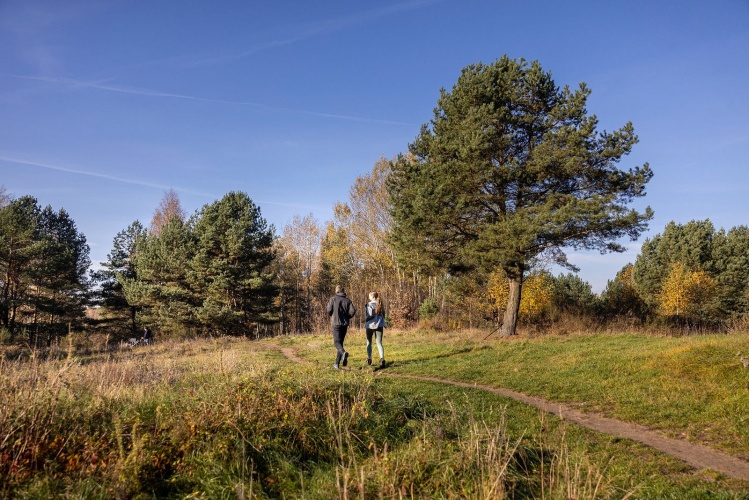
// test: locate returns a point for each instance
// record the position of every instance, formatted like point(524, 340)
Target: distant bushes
point(691, 277)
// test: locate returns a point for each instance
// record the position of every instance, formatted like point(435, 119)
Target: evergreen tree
point(60, 275)
point(621, 298)
point(230, 270)
point(120, 265)
point(573, 294)
point(722, 256)
point(511, 167)
point(690, 244)
point(731, 267)
point(18, 248)
point(44, 261)
point(210, 274)
point(160, 289)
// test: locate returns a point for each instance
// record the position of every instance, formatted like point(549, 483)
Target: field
point(232, 418)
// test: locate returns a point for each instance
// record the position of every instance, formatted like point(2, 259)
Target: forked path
point(696, 455)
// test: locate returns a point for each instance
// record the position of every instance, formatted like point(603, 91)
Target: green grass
point(235, 419)
point(693, 386)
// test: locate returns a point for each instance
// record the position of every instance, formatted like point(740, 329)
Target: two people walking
point(341, 310)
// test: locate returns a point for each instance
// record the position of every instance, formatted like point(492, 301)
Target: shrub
point(428, 309)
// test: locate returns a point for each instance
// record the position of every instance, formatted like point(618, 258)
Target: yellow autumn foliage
point(536, 298)
point(684, 292)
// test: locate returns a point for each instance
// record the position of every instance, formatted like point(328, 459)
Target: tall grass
point(233, 419)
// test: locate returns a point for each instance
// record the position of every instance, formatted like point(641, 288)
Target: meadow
point(234, 418)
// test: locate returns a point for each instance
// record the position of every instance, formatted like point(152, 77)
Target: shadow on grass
point(447, 355)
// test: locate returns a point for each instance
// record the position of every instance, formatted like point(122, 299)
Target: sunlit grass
point(693, 386)
point(233, 418)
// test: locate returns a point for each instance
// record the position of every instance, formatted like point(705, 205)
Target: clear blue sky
point(105, 105)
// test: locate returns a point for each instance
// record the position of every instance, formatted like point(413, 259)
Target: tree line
point(224, 271)
point(459, 231)
point(44, 262)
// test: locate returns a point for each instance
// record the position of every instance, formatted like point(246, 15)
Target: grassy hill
point(231, 418)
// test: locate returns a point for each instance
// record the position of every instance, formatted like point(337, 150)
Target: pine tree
point(621, 298)
point(511, 167)
point(44, 260)
point(160, 287)
point(18, 249)
point(119, 266)
point(573, 294)
point(230, 270)
point(722, 256)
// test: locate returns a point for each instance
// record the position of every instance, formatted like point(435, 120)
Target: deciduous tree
point(722, 255)
point(169, 208)
point(5, 197)
point(537, 298)
point(298, 259)
point(687, 294)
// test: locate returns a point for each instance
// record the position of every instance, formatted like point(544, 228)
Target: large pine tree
point(512, 166)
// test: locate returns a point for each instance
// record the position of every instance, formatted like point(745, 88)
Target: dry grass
point(228, 418)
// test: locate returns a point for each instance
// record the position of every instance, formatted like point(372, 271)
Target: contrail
point(157, 93)
point(124, 180)
point(108, 177)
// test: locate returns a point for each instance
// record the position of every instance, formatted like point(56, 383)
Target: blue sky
point(104, 106)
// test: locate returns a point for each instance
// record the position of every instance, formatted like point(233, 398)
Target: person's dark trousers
point(339, 334)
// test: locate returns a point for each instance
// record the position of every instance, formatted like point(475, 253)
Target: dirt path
point(696, 455)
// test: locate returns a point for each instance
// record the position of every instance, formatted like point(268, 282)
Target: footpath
point(696, 455)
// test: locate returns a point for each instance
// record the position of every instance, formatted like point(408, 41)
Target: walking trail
point(696, 455)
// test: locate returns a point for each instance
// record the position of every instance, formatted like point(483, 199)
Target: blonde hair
point(376, 297)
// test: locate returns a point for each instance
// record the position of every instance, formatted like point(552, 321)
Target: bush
point(428, 309)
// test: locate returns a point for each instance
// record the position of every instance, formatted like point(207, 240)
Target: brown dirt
point(697, 455)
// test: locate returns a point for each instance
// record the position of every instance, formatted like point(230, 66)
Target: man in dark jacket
point(340, 310)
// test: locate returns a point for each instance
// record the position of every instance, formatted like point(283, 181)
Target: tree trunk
point(510, 320)
point(132, 318)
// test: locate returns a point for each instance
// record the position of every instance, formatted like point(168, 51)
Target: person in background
point(147, 336)
point(341, 310)
point(374, 323)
